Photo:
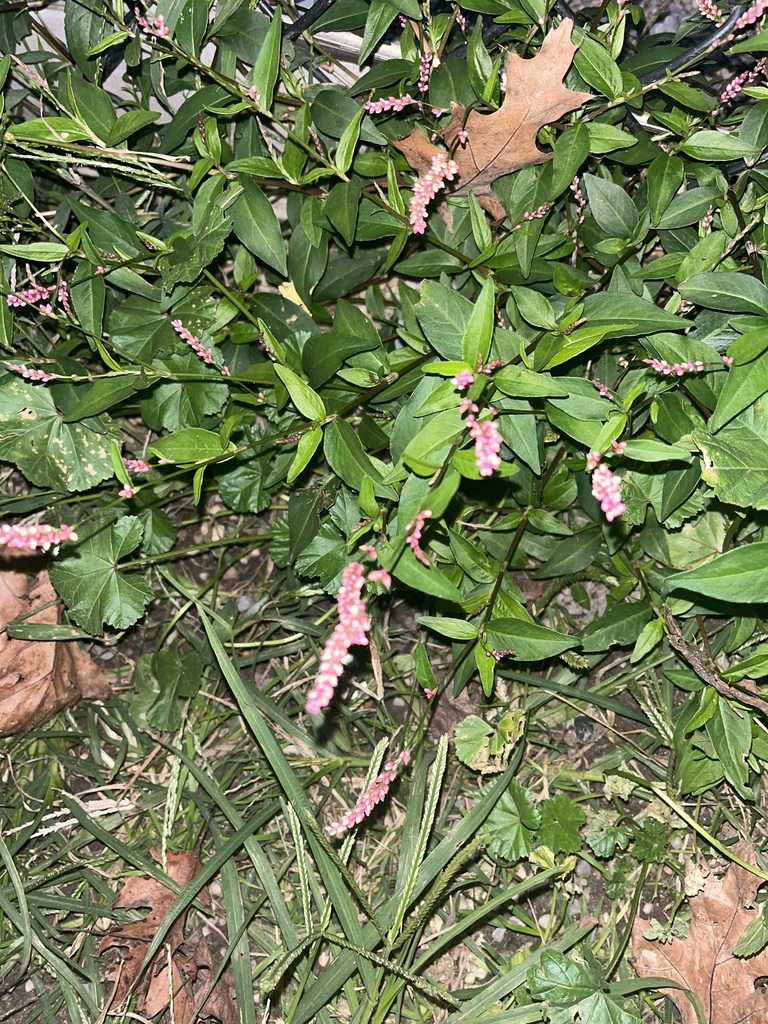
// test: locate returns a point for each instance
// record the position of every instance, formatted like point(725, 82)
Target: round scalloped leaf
point(48, 451)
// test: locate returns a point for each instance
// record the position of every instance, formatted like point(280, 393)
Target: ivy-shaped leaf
point(561, 820)
point(94, 587)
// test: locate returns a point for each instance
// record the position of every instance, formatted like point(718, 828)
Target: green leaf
point(596, 66)
point(342, 207)
point(736, 463)
point(349, 460)
point(648, 449)
point(428, 580)
point(665, 176)
point(571, 150)
point(325, 556)
point(511, 825)
point(478, 334)
point(381, 14)
point(737, 576)
point(56, 130)
point(716, 146)
point(85, 24)
point(102, 395)
point(456, 629)
point(305, 449)
point(175, 406)
point(92, 584)
point(443, 316)
point(256, 225)
point(48, 451)
point(38, 252)
point(241, 486)
point(743, 386)
point(350, 137)
point(325, 353)
point(520, 382)
point(731, 734)
point(688, 208)
point(561, 820)
point(528, 640)
point(621, 625)
point(307, 401)
point(190, 446)
point(191, 26)
point(88, 295)
point(754, 938)
point(623, 314)
point(611, 207)
point(736, 293)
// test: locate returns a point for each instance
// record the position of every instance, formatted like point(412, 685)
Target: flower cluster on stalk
point(370, 797)
point(426, 188)
point(30, 538)
point(351, 631)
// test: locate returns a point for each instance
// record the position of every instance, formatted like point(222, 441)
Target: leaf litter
point(185, 974)
point(504, 141)
point(38, 678)
point(704, 962)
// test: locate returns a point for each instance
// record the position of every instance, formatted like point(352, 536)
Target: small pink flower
point(593, 458)
point(380, 576)
point(488, 443)
point(619, 447)
point(31, 537)
point(710, 10)
point(414, 530)
point(136, 465)
point(728, 360)
point(498, 655)
point(429, 694)
point(426, 188)
point(674, 369)
point(463, 136)
point(36, 294)
point(370, 550)
point(606, 487)
point(463, 379)
point(126, 492)
point(542, 211)
point(370, 797)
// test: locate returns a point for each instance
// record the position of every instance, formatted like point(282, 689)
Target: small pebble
point(29, 986)
point(677, 843)
point(647, 909)
point(583, 869)
point(244, 602)
point(498, 934)
point(543, 921)
point(584, 728)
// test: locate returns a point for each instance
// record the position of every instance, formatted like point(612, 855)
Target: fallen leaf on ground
point(193, 966)
point(38, 678)
point(504, 141)
point(703, 962)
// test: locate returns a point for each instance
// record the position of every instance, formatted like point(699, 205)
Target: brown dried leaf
point(703, 961)
point(504, 141)
point(38, 678)
point(192, 964)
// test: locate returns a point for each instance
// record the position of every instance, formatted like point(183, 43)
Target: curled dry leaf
point(38, 678)
point(504, 141)
point(704, 962)
point(193, 966)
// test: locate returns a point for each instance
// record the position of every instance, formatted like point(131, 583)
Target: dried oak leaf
point(504, 141)
point(192, 964)
point(703, 961)
point(38, 678)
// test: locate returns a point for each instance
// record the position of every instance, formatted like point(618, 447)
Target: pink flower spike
point(352, 629)
point(463, 379)
point(397, 103)
point(30, 538)
point(414, 530)
point(426, 188)
point(31, 374)
point(606, 487)
point(370, 797)
point(488, 443)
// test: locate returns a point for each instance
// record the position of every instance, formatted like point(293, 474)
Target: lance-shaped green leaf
point(349, 460)
point(738, 576)
point(266, 67)
point(528, 640)
point(478, 334)
point(191, 445)
point(307, 401)
point(735, 293)
point(256, 225)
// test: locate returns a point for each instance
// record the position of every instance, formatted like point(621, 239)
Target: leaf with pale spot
point(48, 451)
